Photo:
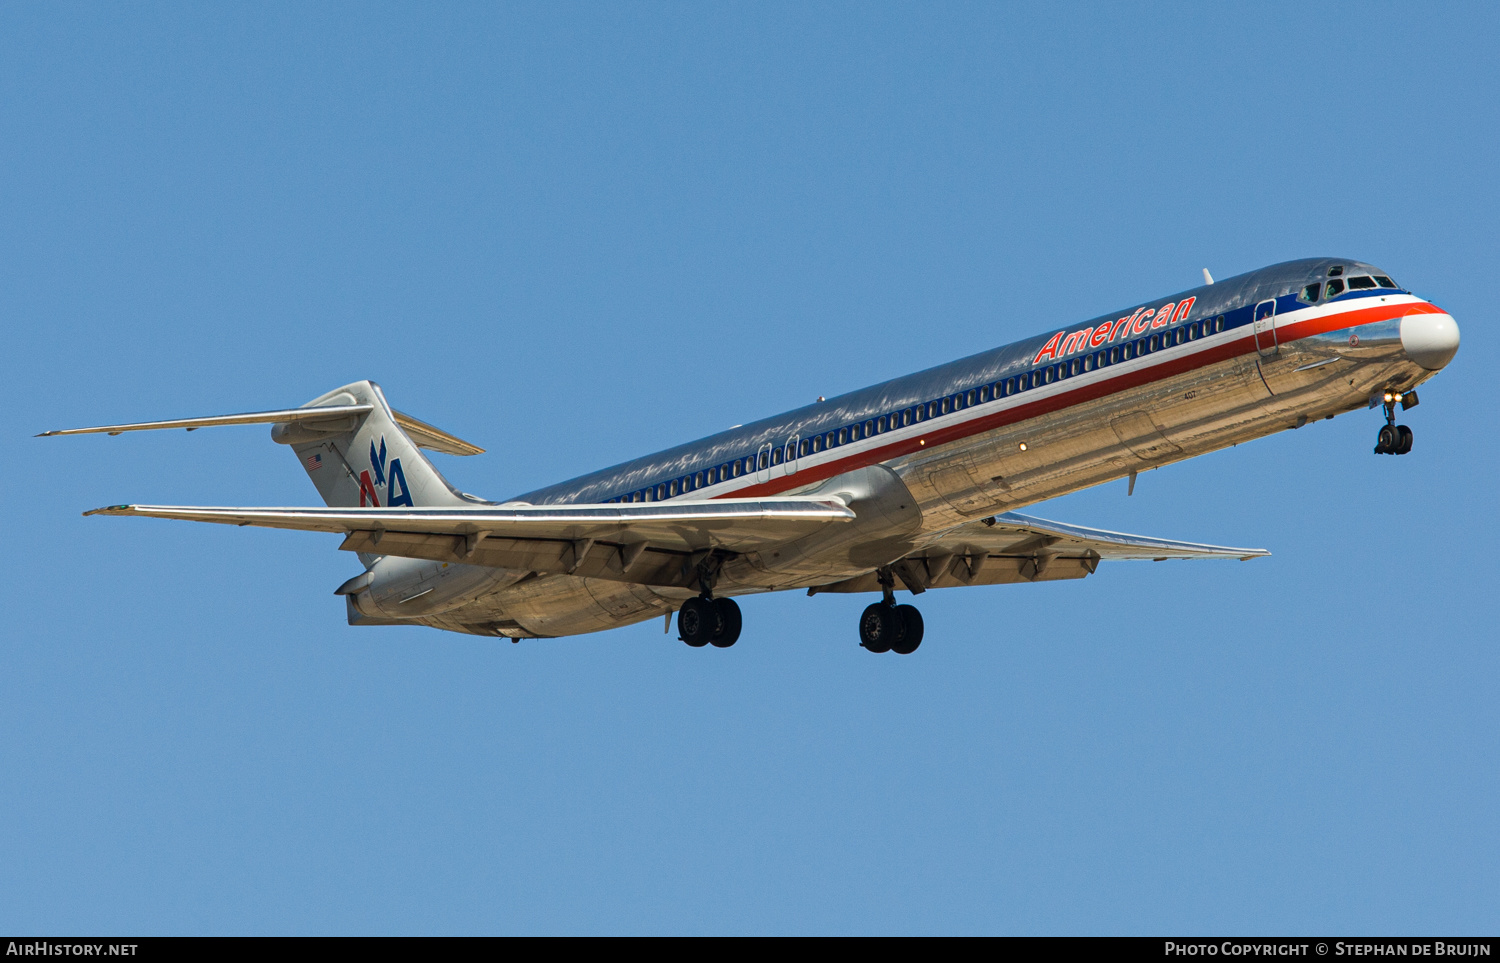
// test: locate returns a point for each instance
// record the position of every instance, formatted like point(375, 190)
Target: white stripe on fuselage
point(852, 450)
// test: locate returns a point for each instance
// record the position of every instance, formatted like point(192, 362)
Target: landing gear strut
point(706, 620)
point(1395, 439)
point(888, 627)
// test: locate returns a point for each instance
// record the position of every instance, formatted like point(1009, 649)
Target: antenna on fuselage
point(1207, 278)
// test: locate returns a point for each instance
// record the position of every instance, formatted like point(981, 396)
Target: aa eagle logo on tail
point(393, 478)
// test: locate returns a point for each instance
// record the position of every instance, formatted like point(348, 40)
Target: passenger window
point(1219, 324)
point(972, 397)
point(1311, 292)
point(948, 405)
point(921, 412)
point(713, 476)
point(776, 456)
point(856, 433)
point(672, 488)
point(661, 492)
point(843, 436)
point(1335, 288)
point(1361, 283)
point(869, 429)
point(805, 448)
point(1384, 281)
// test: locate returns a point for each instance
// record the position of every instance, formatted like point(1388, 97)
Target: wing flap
point(1012, 531)
point(1012, 548)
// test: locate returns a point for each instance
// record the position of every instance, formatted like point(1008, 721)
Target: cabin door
point(1265, 328)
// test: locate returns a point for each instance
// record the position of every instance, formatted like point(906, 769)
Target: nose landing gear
point(1395, 439)
point(888, 627)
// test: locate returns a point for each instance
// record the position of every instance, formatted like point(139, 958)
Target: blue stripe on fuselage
point(1233, 298)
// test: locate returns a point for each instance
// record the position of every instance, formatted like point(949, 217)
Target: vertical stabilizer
point(366, 459)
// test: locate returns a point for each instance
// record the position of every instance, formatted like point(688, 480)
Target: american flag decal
point(314, 462)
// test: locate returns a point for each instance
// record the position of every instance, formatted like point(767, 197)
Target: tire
point(1387, 441)
point(911, 620)
point(728, 611)
point(1404, 439)
point(880, 627)
point(697, 621)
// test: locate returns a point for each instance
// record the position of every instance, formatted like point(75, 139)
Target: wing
point(650, 543)
point(1021, 548)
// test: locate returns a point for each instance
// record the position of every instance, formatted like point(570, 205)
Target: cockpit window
point(1335, 288)
point(1384, 281)
point(1334, 272)
point(1361, 283)
point(1310, 293)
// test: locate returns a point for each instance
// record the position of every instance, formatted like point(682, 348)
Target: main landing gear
point(888, 627)
point(709, 621)
point(706, 620)
point(1395, 439)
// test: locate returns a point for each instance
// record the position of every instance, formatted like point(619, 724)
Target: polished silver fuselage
point(918, 478)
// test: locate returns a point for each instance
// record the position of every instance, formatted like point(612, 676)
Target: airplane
point(913, 483)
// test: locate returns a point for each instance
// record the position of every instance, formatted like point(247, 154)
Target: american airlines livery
point(910, 484)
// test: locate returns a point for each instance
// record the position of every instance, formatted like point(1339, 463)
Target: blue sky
point(577, 233)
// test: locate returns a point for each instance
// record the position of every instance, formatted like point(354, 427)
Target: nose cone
point(1431, 340)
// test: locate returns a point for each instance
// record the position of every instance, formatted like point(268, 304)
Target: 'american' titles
point(1132, 324)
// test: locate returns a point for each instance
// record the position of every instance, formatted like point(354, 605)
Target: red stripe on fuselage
point(1233, 348)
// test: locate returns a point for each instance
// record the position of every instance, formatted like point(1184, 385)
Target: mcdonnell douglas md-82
point(909, 484)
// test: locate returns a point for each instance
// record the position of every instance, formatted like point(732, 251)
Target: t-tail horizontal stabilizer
point(323, 417)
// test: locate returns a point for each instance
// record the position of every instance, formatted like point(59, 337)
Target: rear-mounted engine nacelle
point(405, 588)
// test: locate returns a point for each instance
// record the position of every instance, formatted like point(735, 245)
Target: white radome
point(1431, 340)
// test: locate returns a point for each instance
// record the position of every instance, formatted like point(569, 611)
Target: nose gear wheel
point(1394, 439)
